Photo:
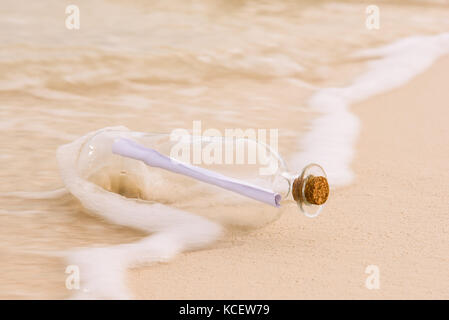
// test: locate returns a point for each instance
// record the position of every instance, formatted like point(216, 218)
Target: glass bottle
point(206, 157)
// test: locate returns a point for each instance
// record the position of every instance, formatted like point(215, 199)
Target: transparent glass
point(260, 165)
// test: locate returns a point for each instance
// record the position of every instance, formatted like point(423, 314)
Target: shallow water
point(156, 66)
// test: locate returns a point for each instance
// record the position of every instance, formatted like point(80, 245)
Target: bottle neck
point(310, 189)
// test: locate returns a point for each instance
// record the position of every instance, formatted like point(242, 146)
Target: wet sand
point(394, 217)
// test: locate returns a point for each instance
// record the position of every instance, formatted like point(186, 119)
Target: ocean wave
point(331, 140)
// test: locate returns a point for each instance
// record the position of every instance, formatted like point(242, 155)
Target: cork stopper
point(315, 191)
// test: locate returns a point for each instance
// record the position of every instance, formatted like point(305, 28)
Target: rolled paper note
point(153, 158)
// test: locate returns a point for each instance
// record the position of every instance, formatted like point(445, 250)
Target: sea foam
point(172, 230)
point(333, 135)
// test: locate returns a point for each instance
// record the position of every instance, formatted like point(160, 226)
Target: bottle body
point(134, 179)
point(241, 159)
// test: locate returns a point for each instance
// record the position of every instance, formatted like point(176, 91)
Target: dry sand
point(394, 216)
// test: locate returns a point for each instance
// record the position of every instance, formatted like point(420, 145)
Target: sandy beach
point(369, 105)
point(394, 216)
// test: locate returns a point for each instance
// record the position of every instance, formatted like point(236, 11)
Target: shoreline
point(245, 65)
point(379, 220)
point(401, 166)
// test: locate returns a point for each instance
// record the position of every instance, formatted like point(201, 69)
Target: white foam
point(103, 269)
point(332, 138)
